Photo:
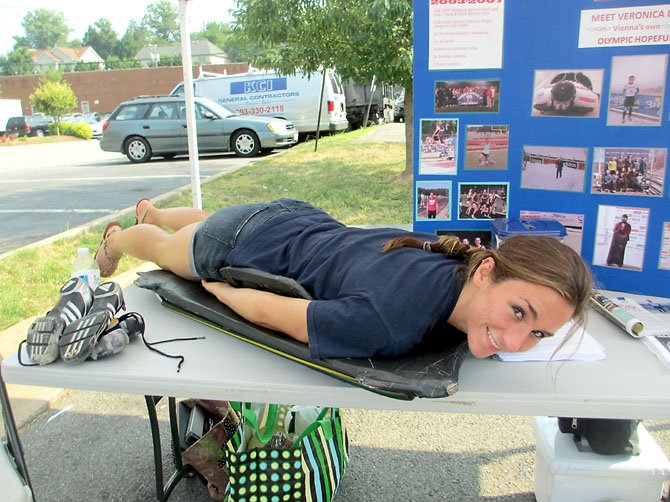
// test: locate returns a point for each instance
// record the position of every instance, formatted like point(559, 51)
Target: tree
point(73, 43)
point(102, 37)
point(160, 19)
point(360, 38)
point(54, 98)
point(53, 75)
point(82, 66)
point(223, 36)
point(18, 62)
point(44, 29)
point(114, 63)
point(135, 37)
point(214, 31)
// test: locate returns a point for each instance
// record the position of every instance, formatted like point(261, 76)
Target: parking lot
point(46, 189)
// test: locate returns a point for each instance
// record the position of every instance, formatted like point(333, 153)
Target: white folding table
point(629, 383)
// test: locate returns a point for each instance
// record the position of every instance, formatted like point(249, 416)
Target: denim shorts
point(218, 235)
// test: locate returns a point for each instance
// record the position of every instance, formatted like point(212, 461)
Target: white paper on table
point(580, 347)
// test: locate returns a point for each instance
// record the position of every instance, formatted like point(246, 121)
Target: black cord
point(181, 358)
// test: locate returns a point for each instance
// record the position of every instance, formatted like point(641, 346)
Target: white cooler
point(564, 473)
point(12, 487)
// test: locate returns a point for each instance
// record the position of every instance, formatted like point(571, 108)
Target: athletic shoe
point(45, 332)
point(115, 339)
point(80, 337)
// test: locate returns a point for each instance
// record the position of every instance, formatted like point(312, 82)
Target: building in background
point(65, 58)
point(202, 52)
point(101, 91)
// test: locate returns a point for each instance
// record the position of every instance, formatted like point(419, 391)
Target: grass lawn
point(357, 182)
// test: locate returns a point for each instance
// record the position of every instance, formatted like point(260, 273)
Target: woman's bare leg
point(170, 218)
point(150, 243)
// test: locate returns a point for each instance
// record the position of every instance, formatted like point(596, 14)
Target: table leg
point(13, 441)
point(163, 491)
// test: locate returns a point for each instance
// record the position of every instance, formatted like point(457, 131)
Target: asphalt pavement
point(85, 446)
point(47, 189)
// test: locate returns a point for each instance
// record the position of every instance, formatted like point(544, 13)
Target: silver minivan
point(149, 126)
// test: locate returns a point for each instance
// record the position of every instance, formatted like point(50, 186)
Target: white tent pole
point(192, 133)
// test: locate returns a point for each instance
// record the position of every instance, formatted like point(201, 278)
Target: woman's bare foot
point(141, 209)
point(107, 262)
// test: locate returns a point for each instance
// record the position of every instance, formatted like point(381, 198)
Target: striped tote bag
point(275, 467)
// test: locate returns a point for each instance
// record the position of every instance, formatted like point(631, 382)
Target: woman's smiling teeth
point(492, 340)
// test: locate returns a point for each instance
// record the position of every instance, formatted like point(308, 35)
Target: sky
point(80, 14)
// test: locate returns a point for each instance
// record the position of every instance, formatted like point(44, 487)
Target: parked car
point(96, 126)
point(156, 125)
point(33, 125)
point(73, 118)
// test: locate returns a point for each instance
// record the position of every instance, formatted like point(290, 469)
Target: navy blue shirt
point(368, 303)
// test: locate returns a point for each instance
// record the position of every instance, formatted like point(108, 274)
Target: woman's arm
point(281, 313)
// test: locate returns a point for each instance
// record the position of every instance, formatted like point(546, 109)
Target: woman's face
point(506, 316)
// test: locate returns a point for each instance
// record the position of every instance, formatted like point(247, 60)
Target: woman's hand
point(218, 289)
point(280, 313)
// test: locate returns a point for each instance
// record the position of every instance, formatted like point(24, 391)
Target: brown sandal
point(107, 263)
point(139, 220)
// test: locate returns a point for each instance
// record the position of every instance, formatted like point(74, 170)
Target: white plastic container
point(564, 473)
point(14, 489)
point(86, 267)
point(502, 228)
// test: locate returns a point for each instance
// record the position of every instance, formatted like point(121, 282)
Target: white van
point(291, 97)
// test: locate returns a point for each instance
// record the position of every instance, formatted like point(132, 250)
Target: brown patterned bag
point(208, 455)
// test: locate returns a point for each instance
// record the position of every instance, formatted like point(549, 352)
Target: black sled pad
point(430, 370)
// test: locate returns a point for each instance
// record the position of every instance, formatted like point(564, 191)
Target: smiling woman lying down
point(375, 292)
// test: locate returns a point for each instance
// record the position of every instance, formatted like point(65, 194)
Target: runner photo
point(637, 86)
point(439, 146)
point(433, 200)
point(482, 201)
point(553, 168)
point(486, 147)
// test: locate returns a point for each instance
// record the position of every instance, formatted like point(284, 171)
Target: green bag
point(272, 468)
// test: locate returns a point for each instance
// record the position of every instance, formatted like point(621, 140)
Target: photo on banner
point(433, 200)
point(559, 168)
point(467, 96)
point(486, 147)
point(629, 171)
point(567, 93)
point(637, 85)
point(573, 223)
point(480, 239)
point(439, 146)
point(482, 201)
point(621, 235)
point(664, 258)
